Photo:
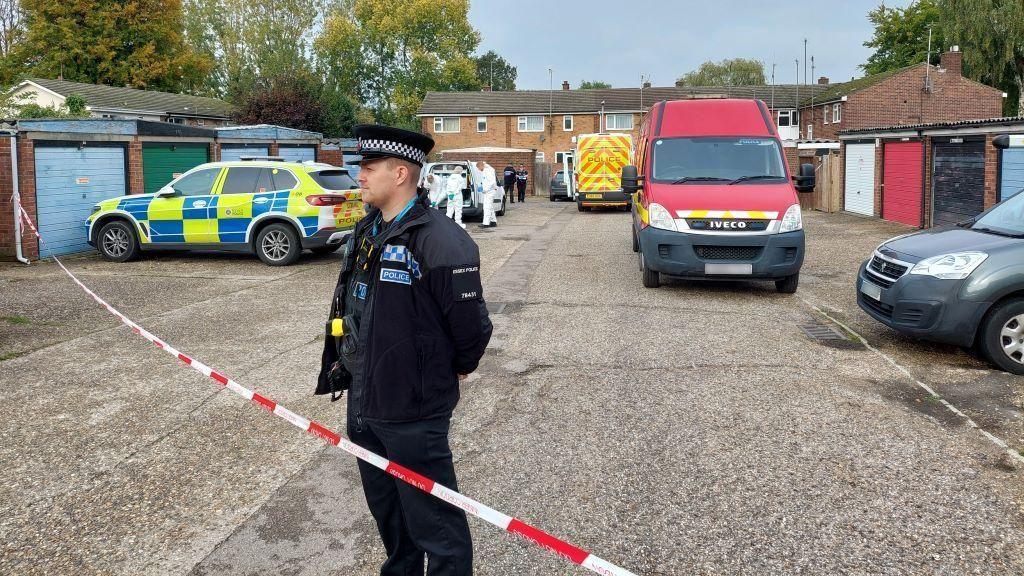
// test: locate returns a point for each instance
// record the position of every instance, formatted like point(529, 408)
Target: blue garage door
point(1011, 179)
point(68, 182)
point(228, 154)
point(297, 153)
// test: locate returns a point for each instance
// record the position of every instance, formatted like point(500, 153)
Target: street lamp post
point(551, 96)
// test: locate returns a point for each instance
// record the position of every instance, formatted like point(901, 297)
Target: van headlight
point(792, 220)
point(955, 266)
point(660, 217)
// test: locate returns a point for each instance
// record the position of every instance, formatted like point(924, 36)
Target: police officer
point(408, 322)
point(509, 175)
point(521, 176)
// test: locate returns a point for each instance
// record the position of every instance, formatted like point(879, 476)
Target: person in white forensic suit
point(434, 191)
point(453, 188)
point(489, 186)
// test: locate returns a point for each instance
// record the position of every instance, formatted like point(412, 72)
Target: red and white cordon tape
point(503, 521)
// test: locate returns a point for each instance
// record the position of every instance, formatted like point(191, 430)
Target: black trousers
point(522, 191)
point(414, 525)
point(510, 189)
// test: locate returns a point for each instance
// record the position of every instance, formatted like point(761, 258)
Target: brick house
point(115, 103)
point(917, 94)
point(546, 121)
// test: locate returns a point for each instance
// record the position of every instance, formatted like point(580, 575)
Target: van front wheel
point(788, 284)
point(651, 278)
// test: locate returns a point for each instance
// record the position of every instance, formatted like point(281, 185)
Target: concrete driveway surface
point(692, 429)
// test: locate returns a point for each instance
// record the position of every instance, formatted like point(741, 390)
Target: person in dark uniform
point(521, 176)
point(408, 322)
point(509, 175)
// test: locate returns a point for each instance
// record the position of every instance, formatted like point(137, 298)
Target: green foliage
point(76, 105)
point(991, 35)
point(589, 85)
point(901, 36)
point(390, 53)
point(24, 106)
point(729, 72)
point(303, 102)
point(496, 71)
point(135, 43)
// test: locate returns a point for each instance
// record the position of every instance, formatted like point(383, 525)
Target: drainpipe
point(16, 199)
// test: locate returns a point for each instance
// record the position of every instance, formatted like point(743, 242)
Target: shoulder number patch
point(466, 283)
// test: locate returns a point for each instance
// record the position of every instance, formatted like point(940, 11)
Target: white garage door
point(297, 153)
point(860, 179)
point(228, 154)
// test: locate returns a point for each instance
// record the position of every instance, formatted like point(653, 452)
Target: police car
point(263, 205)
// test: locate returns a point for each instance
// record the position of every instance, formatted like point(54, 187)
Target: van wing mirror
point(805, 181)
point(630, 179)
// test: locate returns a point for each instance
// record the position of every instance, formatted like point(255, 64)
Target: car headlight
point(955, 266)
point(660, 217)
point(792, 220)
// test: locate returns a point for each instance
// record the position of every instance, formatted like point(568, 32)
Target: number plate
point(594, 196)
point(730, 269)
point(871, 290)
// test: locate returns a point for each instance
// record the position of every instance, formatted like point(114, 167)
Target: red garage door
point(901, 199)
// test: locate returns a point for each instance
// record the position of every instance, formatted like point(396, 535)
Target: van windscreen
point(694, 160)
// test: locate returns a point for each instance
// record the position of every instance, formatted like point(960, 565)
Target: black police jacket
point(424, 322)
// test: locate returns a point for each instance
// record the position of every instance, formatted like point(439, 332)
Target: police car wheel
point(278, 245)
point(117, 242)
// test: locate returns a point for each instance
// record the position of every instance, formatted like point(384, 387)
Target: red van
point(714, 198)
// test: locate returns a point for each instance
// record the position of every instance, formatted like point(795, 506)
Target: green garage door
point(162, 163)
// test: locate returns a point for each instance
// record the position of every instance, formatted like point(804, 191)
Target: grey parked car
point(960, 285)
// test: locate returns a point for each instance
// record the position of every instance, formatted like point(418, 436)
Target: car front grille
point(885, 273)
point(879, 307)
point(727, 252)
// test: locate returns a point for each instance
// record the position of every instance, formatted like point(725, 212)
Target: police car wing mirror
point(166, 192)
point(631, 181)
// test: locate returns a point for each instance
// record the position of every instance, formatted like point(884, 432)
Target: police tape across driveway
point(503, 521)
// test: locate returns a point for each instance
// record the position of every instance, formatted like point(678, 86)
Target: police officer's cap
point(377, 141)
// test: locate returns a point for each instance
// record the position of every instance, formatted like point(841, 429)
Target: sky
point(617, 41)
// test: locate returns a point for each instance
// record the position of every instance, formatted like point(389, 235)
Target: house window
point(567, 123)
point(531, 123)
point(810, 131)
point(786, 118)
point(837, 113)
point(481, 123)
point(559, 157)
point(824, 113)
point(618, 122)
point(446, 124)
point(171, 120)
point(540, 157)
point(200, 122)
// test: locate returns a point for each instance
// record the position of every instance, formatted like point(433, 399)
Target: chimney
point(953, 61)
point(647, 84)
point(823, 80)
point(486, 88)
point(565, 84)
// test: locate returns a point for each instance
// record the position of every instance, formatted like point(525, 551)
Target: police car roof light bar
point(263, 158)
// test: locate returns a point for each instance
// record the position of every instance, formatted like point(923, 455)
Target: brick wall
point(901, 100)
point(503, 132)
point(879, 154)
point(6, 207)
point(331, 155)
point(27, 191)
point(136, 184)
point(214, 152)
point(274, 149)
point(991, 173)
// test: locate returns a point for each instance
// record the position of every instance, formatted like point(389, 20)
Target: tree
point(390, 53)
point(901, 36)
point(991, 35)
point(590, 85)
point(252, 42)
point(301, 102)
point(495, 71)
point(730, 72)
point(135, 43)
point(12, 25)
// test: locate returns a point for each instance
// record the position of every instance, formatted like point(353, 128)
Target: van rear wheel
point(651, 278)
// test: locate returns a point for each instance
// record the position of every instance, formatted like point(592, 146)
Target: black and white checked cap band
point(391, 148)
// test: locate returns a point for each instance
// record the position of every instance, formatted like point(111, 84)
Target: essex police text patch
point(466, 283)
point(396, 276)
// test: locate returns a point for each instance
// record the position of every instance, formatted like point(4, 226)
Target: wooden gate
point(828, 185)
point(541, 178)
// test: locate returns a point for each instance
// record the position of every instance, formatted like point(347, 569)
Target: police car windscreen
point(693, 160)
point(334, 180)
